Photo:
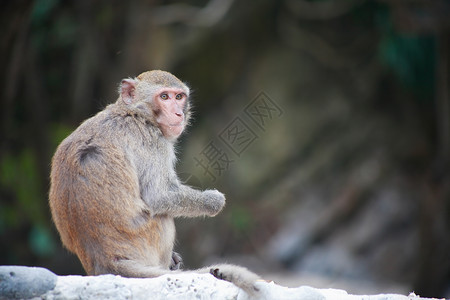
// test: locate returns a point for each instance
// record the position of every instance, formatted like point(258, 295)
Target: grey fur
point(114, 191)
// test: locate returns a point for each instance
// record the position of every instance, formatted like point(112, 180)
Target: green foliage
point(65, 31)
point(41, 241)
point(42, 9)
point(25, 202)
point(411, 57)
point(58, 133)
point(18, 174)
point(240, 218)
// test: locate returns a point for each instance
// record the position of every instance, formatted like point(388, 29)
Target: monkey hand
point(213, 202)
point(177, 261)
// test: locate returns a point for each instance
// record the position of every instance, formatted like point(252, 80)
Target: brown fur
point(114, 191)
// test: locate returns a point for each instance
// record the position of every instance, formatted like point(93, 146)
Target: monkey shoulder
point(96, 139)
point(116, 140)
point(109, 128)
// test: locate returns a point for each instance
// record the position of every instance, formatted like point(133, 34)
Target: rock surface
point(39, 283)
point(25, 282)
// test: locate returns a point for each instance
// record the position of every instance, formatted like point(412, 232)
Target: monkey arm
point(184, 201)
point(198, 203)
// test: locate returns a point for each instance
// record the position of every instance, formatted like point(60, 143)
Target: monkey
point(114, 192)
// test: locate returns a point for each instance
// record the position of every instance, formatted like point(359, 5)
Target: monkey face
point(162, 97)
point(168, 106)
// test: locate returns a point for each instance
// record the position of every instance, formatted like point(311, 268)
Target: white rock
point(24, 283)
point(190, 286)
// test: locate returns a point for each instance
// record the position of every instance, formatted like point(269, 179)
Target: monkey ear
point(127, 88)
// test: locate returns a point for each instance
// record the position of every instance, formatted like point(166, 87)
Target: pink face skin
point(169, 104)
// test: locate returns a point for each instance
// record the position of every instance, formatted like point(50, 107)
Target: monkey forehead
point(158, 78)
point(149, 89)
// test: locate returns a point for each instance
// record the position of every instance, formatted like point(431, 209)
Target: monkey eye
point(179, 96)
point(164, 96)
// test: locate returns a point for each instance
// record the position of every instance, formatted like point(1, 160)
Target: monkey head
point(161, 98)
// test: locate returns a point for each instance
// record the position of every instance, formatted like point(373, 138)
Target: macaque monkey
point(114, 192)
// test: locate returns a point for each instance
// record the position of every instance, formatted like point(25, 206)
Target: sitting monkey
point(114, 192)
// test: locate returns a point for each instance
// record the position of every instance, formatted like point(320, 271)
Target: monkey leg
point(239, 276)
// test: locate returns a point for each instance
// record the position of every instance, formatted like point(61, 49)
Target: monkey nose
point(179, 114)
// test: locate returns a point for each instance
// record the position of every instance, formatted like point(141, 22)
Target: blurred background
point(326, 123)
